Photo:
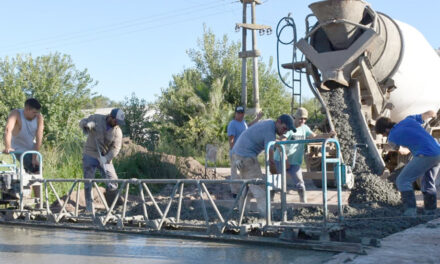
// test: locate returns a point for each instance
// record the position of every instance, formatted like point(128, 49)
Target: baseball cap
point(239, 109)
point(288, 121)
point(119, 115)
point(301, 113)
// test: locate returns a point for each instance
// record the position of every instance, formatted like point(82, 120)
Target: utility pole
point(254, 53)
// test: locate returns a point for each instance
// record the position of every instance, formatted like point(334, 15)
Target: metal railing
point(324, 162)
point(221, 222)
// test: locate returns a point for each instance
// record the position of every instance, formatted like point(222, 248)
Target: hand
point(260, 115)
point(35, 161)
point(102, 161)
point(332, 134)
point(404, 151)
point(239, 164)
point(8, 150)
point(90, 126)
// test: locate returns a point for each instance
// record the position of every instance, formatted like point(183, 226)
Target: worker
point(24, 132)
point(409, 136)
point(251, 143)
point(295, 152)
point(103, 144)
point(235, 128)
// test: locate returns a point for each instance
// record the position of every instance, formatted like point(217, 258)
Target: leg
point(429, 189)
point(296, 173)
point(417, 167)
point(109, 172)
point(252, 170)
point(89, 168)
point(28, 166)
point(234, 175)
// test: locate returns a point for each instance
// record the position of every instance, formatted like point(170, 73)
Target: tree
point(198, 104)
point(100, 101)
point(137, 125)
point(54, 80)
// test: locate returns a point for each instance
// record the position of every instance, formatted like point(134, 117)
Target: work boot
point(110, 196)
point(409, 203)
point(302, 195)
point(89, 200)
point(430, 201)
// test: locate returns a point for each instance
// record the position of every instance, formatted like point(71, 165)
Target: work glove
point(90, 126)
point(239, 164)
point(102, 161)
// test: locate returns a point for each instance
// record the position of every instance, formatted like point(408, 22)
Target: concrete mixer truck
point(361, 65)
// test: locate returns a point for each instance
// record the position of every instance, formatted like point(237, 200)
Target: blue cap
point(288, 121)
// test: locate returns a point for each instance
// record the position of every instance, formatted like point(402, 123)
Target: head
point(384, 125)
point(301, 116)
point(239, 113)
point(31, 108)
point(116, 118)
point(284, 123)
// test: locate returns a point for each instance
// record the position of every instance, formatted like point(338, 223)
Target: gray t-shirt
point(253, 140)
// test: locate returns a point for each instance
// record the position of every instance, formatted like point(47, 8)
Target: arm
point(38, 139)
point(272, 166)
point(428, 114)
point(323, 135)
point(10, 124)
point(83, 123)
point(87, 124)
point(116, 146)
point(40, 129)
point(231, 142)
point(257, 118)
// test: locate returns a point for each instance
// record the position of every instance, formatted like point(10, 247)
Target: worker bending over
point(251, 143)
point(409, 136)
point(103, 144)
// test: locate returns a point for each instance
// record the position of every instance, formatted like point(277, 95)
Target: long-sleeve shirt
point(410, 134)
point(109, 138)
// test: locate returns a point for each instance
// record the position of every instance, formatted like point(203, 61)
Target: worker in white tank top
point(24, 129)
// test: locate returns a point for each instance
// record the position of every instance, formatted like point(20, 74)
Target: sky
point(135, 46)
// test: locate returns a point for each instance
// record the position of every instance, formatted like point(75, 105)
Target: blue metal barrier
point(324, 162)
point(22, 154)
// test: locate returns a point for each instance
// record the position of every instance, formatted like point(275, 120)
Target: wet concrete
point(374, 208)
point(38, 245)
point(419, 244)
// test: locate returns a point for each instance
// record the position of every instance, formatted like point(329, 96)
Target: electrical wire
point(130, 24)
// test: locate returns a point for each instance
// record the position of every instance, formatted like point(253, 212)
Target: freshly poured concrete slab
point(419, 244)
point(47, 245)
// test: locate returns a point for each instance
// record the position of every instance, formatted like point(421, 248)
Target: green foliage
point(100, 101)
point(137, 126)
point(198, 104)
point(54, 80)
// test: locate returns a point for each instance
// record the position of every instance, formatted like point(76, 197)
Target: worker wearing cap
point(251, 143)
point(409, 136)
point(295, 152)
point(235, 128)
point(103, 144)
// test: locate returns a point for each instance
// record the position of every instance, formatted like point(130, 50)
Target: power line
point(82, 41)
point(114, 27)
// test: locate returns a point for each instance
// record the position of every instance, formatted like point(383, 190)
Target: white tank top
point(25, 140)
